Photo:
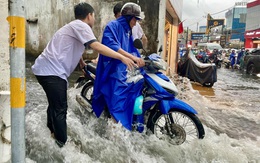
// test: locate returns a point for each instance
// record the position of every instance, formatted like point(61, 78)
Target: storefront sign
point(215, 22)
point(252, 34)
point(240, 3)
point(197, 36)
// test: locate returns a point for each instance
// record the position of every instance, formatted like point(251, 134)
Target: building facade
point(202, 28)
point(252, 33)
point(160, 24)
point(236, 22)
point(169, 24)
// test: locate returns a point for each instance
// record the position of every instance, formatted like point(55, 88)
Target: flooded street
point(234, 103)
point(230, 112)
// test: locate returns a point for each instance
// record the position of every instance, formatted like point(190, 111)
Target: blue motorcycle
point(162, 113)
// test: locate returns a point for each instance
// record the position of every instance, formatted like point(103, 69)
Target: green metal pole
point(17, 79)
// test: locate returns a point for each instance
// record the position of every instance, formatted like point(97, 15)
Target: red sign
point(252, 34)
point(253, 4)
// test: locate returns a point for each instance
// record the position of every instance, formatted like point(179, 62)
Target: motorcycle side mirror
point(138, 44)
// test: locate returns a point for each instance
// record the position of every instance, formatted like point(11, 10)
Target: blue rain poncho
point(232, 58)
point(111, 88)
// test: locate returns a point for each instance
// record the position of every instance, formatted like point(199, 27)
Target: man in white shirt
point(60, 58)
point(138, 33)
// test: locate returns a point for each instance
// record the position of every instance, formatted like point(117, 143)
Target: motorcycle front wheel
point(176, 127)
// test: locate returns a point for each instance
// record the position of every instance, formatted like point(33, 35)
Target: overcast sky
point(196, 10)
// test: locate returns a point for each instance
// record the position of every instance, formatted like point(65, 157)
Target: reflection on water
point(204, 91)
point(233, 101)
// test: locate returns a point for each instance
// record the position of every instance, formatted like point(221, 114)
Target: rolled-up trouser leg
point(56, 91)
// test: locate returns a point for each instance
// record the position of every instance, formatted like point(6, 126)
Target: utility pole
point(187, 36)
point(17, 79)
point(208, 35)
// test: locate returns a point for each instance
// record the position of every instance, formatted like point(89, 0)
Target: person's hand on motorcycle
point(139, 61)
point(129, 63)
point(82, 65)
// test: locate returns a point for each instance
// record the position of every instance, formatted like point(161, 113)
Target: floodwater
point(230, 112)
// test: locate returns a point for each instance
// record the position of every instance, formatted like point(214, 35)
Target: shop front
point(170, 22)
point(252, 39)
point(252, 32)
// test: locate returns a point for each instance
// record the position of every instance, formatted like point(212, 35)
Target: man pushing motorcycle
point(111, 88)
point(58, 61)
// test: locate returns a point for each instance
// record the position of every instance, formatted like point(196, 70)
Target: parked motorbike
point(162, 113)
point(203, 73)
point(202, 58)
point(217, 60)
point(226, 63)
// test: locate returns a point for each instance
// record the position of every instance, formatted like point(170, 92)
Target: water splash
point(96, 140)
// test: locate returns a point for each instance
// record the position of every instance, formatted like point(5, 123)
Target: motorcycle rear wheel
point(182, 127)
point(87, 94)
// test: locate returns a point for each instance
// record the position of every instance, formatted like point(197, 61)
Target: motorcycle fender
point(80, 79)
point(166, 105)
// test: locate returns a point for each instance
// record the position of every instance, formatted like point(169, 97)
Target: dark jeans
point(56, 92)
